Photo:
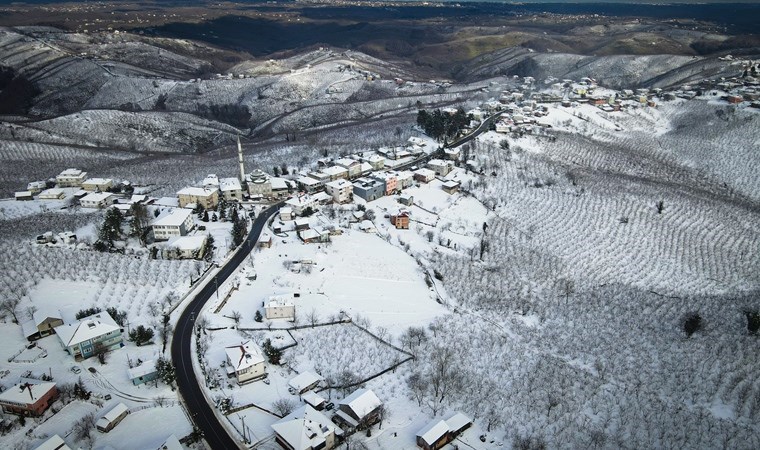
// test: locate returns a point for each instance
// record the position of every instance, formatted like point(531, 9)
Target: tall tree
point(140, 222)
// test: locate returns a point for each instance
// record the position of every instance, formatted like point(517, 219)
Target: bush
point(88, 312)
point(141, 335)
point(753, 321)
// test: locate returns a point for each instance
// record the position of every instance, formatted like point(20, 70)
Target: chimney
point(240, 160)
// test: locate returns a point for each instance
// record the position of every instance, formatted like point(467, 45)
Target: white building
point(259, 184)
point(54, 443)
point(351, 165)
point(89, 335)
point(52, 194)
point(177, 222)
point(232, 190)
point(300, 203)
point(206, 198)
point(286, 213)
point(23, 195)
point(336, 172)
point(97, 184)
point(185, 247)
point(305, 381)
point(35, 187)
point(97, 200)
point(280, 187)
point(245, 362)
point(280, 307)
point(377, 162)
point(306, 429)
point(309, 184)
point(340, 190)
point(211, 181)
point(71, 178)
point(362, 407)
point(441, 167)
point(424, 175)
point(112, 418)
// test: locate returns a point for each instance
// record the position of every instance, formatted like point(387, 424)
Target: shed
point(112, 418)
point(434, 435)
point(305, 381)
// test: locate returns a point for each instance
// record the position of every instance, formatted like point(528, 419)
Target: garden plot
point(357, 273)
point(147, 428)
point(63, 421)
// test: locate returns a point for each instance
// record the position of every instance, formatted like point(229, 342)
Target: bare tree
point(83, 427)
point(313, 317)
point(10, 306)
point(283, 406)
point(235, 315)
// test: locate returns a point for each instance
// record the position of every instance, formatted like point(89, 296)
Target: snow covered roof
point(362, 402)
point(339, 184)
point(230, 184)
point(71, 173)
point(346, 162)
point(146, 368)
point(22, 194)
point(305, 428)
point(97, 181)
point(168, 201)
point(308, 181)
point(211, 180)
point(366, 225)
point(458, 421)
point(279, 183)
point(54, 443)
point(52, 192)
point(450, 184)
point(196, 192)
point(96, 197)
point(280, 300)
point(375, 158)
point(243, 356)
point(433, 431)
point(85, 329)
point(425, 172)
point(301, 221)
point(312, 398)
point(173, 218)
point(321, 197)
point(112, 415)
point(304, 380)
point(171, 443)
point(309, 234)
point(366, 167)
point(335, 170)
point(265, 237)
point(27, 393)
point(188, 243)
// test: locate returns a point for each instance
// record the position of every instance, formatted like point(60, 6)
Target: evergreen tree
point(272, 353)
point(205, 216)
point(208, 252)
point(222, 209)
point(111, 228)
point(140, 222)
point(141, 335)
point(166, 371)
point(257, 317)
point(239, 231)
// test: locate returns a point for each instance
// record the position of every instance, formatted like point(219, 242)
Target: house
point(452, 153)
point(320, 176)
point(171, 443)
point(23, 195)
point(450, 186)
point(231, 189)
point(177, 222)
point(70, 178)
point(400, 220)
point(302, 203)
point(336, 173)
point(43, 324)
point(185, 247)
point(390, 181)
point(302, 223)
point(361, 409)
point(55, 442)
point(211, 181)
point(366, 169)
point(259, 184)
point(265, 241)
point(340, 190)
point(441, 167)
point(433, 435)
point(424, 175)
point(90, 335)
point(404, 179)
point(305, 381)
point(406, 199)
point(306, 429)
point(351, 165)
point(29, 398)
point(369, 189)
point(376, 161)
point(245, 362)
point(438, 433)
point(280, 307)
point(286, 213)
point(143, 373)
point(52, 194)
point(35, 187)
point(205, 198)
point(97, 184)
point(367, 226)
point(314, 235)
point(97, 200)
point(734, 99)
point(314, 400)
point(280, 187)
point(112, 418)
point(309, 184)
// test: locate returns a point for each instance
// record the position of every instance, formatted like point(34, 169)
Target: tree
point(140, 224)
point(660, 207)
point(83, 427)
point(313, 317)
point(10, 306)
point(166, 372)
point(283, 406)
point(82, 313)
point(257, 317)
point(222, 209)
point(239, 230)
point(692, 323)
point(753, 321)
point(272, 353)
point(141, 335)
point(276, 171)
point(118, 316)
point(205, 216)
point(235, 315)
point(208, 250)
point(110, 230)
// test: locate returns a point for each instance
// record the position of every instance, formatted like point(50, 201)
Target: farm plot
point(336, 350)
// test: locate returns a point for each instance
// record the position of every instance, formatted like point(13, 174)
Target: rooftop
point(230, 184)
point(147, 367)
point(86, 328)
point(305, 428)
point(362, 402)
point(304, 380)
point(26, 393)
point(173, 218)
point(243, 356)
point(196, 191)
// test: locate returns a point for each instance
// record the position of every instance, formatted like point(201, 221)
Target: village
point(261, 343)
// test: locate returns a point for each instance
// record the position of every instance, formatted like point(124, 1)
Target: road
point(189, 388)
point(483, 127)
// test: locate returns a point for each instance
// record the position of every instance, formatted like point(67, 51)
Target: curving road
point(190, 390)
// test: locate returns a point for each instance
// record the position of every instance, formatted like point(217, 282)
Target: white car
point(75, 369)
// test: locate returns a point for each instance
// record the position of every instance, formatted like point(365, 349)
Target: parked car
point(75, 369)
point(330, 406)
point(92, 370)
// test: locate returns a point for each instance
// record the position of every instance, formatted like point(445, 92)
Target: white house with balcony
point(245, 362)
point(97, 184)
point(71, 178)
point(341, 191)
point(89, 335)
point(280, 307)
point(231, 189)
point(97, 200)
point(174, 223)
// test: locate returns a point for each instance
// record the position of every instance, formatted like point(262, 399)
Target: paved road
point(203, 413)
point(482, 128)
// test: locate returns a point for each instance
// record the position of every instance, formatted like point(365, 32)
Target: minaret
point(240, 160)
